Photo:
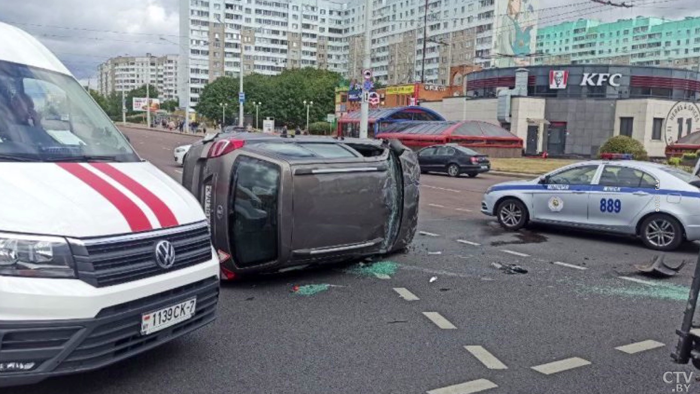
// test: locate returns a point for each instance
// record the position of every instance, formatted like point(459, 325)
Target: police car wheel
point(661, 232)
point(512, 214)
point(453, 170)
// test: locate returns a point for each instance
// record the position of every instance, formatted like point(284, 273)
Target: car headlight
point(35, 256)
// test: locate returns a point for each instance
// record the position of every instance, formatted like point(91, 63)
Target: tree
point(169, 105)
point(624, 144)
point(223, 90)
point(99, 99)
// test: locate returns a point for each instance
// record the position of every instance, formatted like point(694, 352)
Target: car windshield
point(48, 116)
point(682, 175)
point(466, 150)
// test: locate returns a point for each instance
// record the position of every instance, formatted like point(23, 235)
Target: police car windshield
point(682, 175)
point(48, 116)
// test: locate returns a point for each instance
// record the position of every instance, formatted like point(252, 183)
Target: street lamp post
point(240, 88)
point(223, 114)
point(308, 107)
point(186, 82)
point(257, 107)
point(148, 93)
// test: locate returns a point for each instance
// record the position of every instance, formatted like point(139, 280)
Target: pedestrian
point(297, 131)
point(181, 126)
point(285, 132)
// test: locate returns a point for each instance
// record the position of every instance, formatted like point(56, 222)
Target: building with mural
point(571, 110)
point(640, 41)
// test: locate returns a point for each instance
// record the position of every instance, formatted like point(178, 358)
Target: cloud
point(76, 30)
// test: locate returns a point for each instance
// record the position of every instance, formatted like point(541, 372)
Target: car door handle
point(579, 192)
point(642, 194)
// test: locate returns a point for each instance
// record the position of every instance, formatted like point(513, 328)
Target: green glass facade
point(640, 41)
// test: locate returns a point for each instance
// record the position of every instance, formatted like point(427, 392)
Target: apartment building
point(640, 41)
point(125, 73)
point(273, 35)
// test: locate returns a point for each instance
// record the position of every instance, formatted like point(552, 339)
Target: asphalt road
point(555, 329)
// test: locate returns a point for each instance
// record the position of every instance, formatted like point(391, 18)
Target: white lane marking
point(486, 358)
point(468, 242)
point(434, 253)
point(644, 282)
point(382, 276)
point(436, 205)
point(405, 294)
point(166, 148)
point(441, 188)
point(475, 386)
point(515, 253)
point(439, 321)
point(578, 267)
point(561, 365)
point(178, 171)
point(633, 348)
point(428, 234)
point(463, 210)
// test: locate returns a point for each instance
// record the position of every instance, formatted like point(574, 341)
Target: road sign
point(367, 74)
point(374, 98)
point(330, 118)
point(241, 97)
point(367, 86)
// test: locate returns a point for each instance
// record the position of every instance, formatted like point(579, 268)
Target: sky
point(83, 33)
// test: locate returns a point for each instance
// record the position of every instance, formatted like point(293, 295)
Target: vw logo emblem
point(165, 254)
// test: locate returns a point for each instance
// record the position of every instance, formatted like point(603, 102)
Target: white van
point(102, 256)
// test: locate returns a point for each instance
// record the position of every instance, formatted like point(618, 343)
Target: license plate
point(166, 317)
point(484, 167)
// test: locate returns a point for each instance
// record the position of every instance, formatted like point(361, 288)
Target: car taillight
point(475, 160)
point(227, 275)
point(222, 147)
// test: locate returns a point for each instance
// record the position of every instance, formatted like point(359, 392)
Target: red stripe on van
point(134, 216)
point(163, 213)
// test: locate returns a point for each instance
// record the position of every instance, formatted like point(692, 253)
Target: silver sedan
point(658, 203)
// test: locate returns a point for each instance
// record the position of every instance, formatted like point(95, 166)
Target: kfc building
point(572, 110)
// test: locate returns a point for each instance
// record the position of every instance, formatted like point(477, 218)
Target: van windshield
point(48, 117)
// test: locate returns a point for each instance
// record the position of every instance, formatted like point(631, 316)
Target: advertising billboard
point(139, 104)
point(514, 32)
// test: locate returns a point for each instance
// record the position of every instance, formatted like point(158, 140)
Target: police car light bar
point(617, 156)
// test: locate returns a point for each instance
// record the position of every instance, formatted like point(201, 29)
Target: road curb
point(514, 174)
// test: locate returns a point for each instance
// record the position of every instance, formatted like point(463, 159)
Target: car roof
point(623, 163)
point(17, 46)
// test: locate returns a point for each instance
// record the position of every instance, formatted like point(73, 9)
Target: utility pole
point(148, 93)
point(123, 107)
point(366, 65)
point(240, 89)
point(425, 41)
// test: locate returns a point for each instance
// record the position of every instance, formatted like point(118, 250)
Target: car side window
point(450, 152)
point(620, 176)
point(442, 151)
point(575, 176)
point(427, 152)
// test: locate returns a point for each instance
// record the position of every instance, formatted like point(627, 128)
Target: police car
point(658, 203)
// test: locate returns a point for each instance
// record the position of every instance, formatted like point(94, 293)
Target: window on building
point(626, 125)
point(657, 129)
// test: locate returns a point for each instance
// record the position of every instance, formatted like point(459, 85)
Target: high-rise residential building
point(125, 73)
point(330, 34)
point(640, 41)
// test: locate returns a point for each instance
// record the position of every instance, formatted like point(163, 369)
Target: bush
point(319, 128)
point(624, 144)
point(674, 161)
point(690, 156)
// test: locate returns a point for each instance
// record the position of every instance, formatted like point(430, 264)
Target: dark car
point(276, 202)
point(453, 159)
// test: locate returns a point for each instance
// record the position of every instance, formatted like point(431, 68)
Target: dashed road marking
point(578, 267)
point(462, 241)
point(428, 234)
point(439, 321)
point(644, 282)
point(463, 210)
point(633, 348)
point(178, 171)
point(561, 365)
point(441, 188)
point(382, 276)
point(436, 205)
point(515, 253)
point(486, 358)
point(475, 386)
point(405, 294)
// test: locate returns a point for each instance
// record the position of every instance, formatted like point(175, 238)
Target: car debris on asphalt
point(659, 267)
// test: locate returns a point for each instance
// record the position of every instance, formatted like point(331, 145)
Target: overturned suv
point(276, 203)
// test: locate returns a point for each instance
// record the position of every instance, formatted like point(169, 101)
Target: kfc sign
point(558, 79)
point(595, 79)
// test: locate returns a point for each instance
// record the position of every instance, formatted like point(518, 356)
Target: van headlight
point(35, 256)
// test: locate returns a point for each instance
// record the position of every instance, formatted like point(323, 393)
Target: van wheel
point(453, 170)
point(661, 232)
point(512, 214)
